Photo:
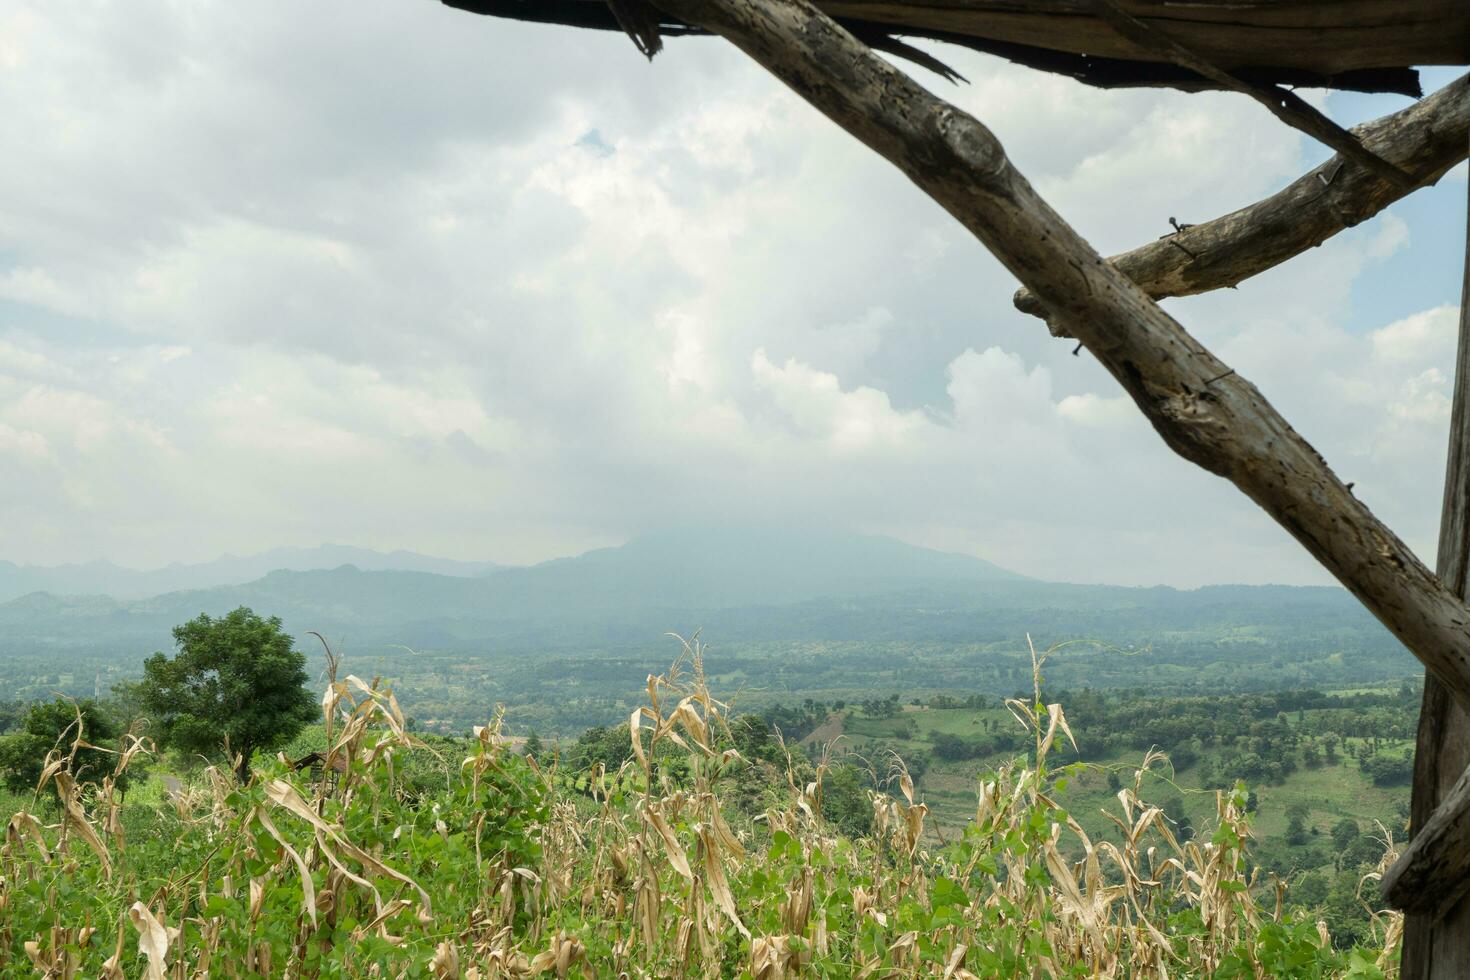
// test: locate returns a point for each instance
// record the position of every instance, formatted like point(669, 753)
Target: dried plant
point(515, 870)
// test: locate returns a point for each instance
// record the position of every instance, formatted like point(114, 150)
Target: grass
point(1328, 793)
point(482, 864)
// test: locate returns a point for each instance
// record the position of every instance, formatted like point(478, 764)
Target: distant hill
point(105, 578)
point(756, 585)
point(715, 568)
point(658, 578)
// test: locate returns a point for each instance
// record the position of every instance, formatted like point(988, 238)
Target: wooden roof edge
point(648, 25)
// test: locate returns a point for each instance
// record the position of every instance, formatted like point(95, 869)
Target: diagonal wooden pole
point(1429, 880)
point(1201, 408)
point(1283, 103)
point(1425, 139)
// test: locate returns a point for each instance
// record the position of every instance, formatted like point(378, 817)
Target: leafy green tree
point(1311, 889)
point(755, 741)
point(953, 747)
point(1183, 756)
point(1343, 910)
point(1296, 831)
point(11, 713)
point(845, 800)
point(609, 746)
point(236, 683)
point(1389, 770)
point(53, 724)
point(1364, 849)
point(1344, 832)
point(533, 746)
point(124, 703)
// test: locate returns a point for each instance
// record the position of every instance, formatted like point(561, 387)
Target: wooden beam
point(1430, 878)
point(1201, 408)
point(1324, 35)
point(1083, 63)
point(1284, 104)
point(1366, 45)
point(1426, 139)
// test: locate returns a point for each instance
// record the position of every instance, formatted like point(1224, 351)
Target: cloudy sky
point(382, 273)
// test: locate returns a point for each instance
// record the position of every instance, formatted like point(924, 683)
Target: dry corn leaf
point(308, 887)
point(675, 852)
point(153, 940)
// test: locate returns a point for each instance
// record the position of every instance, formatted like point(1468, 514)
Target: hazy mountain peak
point(106, 578)
point(831, 554)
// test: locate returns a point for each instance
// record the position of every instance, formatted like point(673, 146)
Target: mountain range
point(105, 578)
point(762, 585)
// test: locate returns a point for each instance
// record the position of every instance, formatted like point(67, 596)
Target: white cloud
point(1427, 337)
point(253, 295)
point(22, 442)
point(1098, 412)
point(859, 420)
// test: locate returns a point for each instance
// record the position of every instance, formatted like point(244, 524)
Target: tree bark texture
point(1425, 140)
point(1202, 409)
point(1430, 879)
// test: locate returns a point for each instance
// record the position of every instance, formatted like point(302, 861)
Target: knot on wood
point(1189, 424)
point(973, 145)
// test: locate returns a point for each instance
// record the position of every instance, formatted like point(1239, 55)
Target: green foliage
point(1389, 770)
point(1344, 832)
point(881, 707)
point(560, 677)
point(1183, 755)
point(1176, 815)
point(958, 748)
point(607, 747)
point(1311, 890)
point(757, 741)
point(521, 871)
point(847, 800)
point(53, 725)
point(1224, 732)
point(1364, 851)
point(236, 685)
point(509, 853)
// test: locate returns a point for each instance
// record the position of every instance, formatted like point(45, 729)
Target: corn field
point(504, 867)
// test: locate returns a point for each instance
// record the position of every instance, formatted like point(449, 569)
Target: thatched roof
point(1361, 45)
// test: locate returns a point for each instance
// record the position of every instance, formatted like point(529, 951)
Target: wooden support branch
point(1204, 411)
point(1284, 104)
point(1430, 879)
point(1425, 139)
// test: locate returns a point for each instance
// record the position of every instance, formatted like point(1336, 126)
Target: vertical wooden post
point(1438, 946)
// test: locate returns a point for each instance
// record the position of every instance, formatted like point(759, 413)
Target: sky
point(387, 274)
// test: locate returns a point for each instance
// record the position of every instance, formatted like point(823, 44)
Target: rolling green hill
point(792, 613)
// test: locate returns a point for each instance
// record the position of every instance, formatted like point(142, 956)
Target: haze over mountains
point(405, 595)
point(105, 578)
point(759, 585)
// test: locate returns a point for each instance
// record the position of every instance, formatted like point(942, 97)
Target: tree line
point(235, 686)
